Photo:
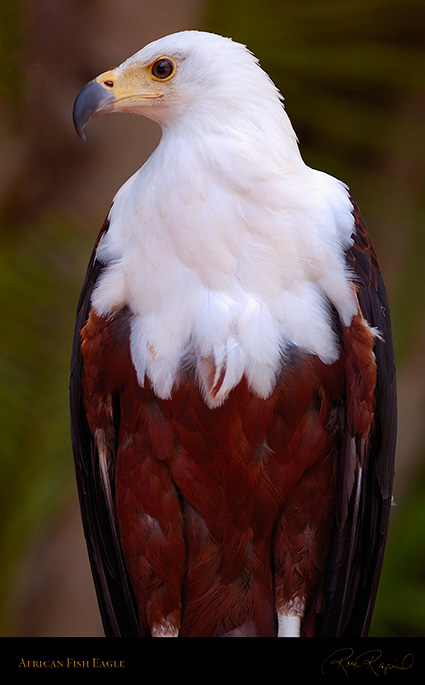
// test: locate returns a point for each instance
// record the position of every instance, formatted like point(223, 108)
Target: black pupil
point(163, 68)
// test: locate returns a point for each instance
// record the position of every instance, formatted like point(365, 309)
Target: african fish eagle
point(232, 379)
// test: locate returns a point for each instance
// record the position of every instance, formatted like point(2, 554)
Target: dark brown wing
point(109, 575)
point(358, 544)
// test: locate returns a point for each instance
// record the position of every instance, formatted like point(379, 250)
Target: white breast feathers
point(227, 254)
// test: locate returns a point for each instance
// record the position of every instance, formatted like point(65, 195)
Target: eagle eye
point(163, 69)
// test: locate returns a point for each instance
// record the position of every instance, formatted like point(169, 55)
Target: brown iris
point(163, 68)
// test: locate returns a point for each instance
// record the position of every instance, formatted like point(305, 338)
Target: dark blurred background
point(353, 76)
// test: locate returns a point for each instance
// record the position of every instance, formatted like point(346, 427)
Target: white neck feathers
point(228, 250)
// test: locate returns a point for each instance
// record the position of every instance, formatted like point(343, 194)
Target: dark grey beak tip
point(81, 133)
point(91, 100)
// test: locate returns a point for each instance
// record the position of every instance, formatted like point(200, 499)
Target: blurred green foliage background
point(353, 76)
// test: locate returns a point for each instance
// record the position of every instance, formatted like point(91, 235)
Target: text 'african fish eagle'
point(232, 382)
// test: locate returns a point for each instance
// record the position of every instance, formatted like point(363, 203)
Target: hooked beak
point(92, 99)
point(125, 89)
